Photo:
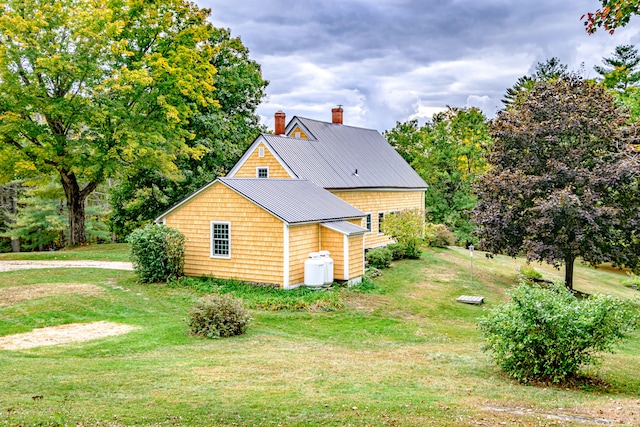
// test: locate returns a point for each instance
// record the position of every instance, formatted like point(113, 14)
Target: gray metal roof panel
point(293, 200)
point(344, 227)
point(334, 154)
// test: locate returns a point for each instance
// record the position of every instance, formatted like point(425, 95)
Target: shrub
point(398, 251)
point(439, 236)
point(547, 334)
point(632, 282)
point(407, 227)
point(372, 273)
point(157, 253)
point(379, 257)
point(530, 274)
point(218, 316)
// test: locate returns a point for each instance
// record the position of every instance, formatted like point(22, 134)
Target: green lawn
point(103, 252)
point(403, 354)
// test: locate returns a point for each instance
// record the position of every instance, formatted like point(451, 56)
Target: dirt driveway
point(28, 265)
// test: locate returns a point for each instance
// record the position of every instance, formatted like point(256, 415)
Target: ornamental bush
point(530, 274)
point(157, 253)
point(439, 235)
point(218, 316)
point(398, 251)
point(548, 334)
point(407, 227)
point(379, 257)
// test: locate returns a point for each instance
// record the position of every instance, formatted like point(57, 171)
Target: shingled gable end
point(316, 186)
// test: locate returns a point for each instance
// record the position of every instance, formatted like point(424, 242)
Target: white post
point(471, 258)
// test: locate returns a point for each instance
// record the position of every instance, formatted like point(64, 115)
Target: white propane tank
point(314, 270)
point(328, 267)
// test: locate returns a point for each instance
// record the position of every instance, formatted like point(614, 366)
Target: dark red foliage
point(564, 179)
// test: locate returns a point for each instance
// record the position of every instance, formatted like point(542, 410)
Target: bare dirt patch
point(17, 294)
point(63, 334)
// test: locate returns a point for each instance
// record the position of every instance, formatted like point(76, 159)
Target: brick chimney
point(336, 115)
point(280, 118)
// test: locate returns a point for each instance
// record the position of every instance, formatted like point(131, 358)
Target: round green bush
point(398, 251)
point(548, 334)
point(379, 257)
point(218, 316)
point(157, 253)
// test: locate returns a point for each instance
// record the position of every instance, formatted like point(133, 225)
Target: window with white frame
point(367, 221)
point(262, 172)
point(380, 221)
point(220, 239)
point(261, 152)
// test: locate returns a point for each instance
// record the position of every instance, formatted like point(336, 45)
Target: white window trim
point(370, 228)
point(261, 152)
point(258, 171)
point(228, 224)
point(379, 223)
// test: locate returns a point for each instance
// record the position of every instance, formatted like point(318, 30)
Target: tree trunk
point(15, 245)
point(568, 272)
point(75, 205)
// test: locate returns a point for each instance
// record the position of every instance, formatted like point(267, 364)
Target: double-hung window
point(380, 222)
point(368, 222)
point(220, 239)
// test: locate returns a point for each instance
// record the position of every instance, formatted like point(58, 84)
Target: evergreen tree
point(551, 69)
point(620, 70)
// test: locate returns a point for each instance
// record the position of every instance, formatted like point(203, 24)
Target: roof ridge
point(339, 124)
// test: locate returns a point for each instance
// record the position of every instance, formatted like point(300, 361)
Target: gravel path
point(28, 265)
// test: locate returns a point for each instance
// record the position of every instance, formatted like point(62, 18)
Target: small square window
point(262, 172)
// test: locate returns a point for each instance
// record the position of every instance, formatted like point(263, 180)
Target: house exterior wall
point(356, 257)
point(297, 133)
point(257, 241)
point(248, 168)
point(373, 202)
point(333, 242)
point(302, 240)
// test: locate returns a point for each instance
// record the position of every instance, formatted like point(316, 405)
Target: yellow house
point(355, 164)
point(311, 186)
point(259, 230)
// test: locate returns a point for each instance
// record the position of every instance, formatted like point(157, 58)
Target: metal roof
point(293, 200)
point(340, 157)
point(344, 227)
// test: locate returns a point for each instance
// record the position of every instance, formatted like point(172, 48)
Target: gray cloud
point(391, 60)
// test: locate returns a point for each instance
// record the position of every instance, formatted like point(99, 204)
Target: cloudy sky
point(391, 60)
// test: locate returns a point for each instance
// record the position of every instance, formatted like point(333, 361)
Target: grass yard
point(104, 252)
point(402, 354)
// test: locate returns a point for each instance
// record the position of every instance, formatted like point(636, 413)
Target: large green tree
point(224, 133)
point(449, 154)
point(564, 179)
point(92, 89)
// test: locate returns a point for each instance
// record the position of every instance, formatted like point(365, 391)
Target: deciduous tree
point(449, 154)
point(223, 133)
point(563, 182)
point(91, 89)
point(614, 14)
